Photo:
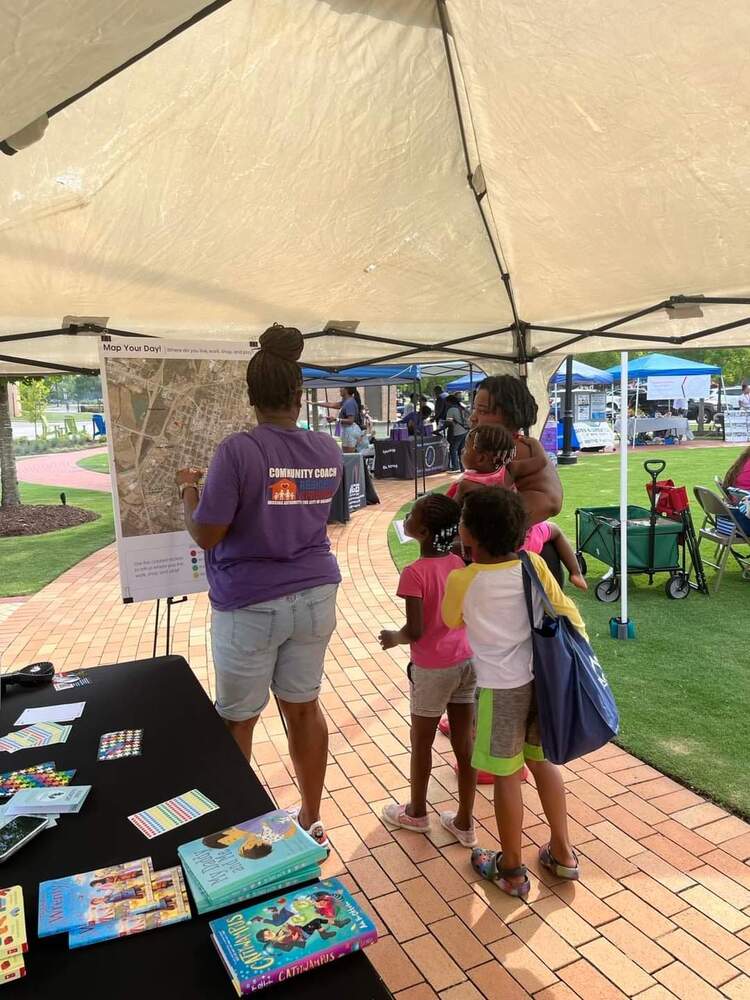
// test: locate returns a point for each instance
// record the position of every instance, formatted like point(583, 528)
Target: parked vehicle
point(709, 410)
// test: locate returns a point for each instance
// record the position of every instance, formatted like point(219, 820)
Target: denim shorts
point(350, 434)
point(277, 646)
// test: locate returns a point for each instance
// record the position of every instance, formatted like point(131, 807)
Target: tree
point(9, 495)
point(34, 393)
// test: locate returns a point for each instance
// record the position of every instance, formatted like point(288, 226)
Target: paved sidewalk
point(662, 911)
point(61, 469)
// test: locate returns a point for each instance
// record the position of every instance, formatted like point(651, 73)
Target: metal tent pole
point(622, 627)
point(567, 457)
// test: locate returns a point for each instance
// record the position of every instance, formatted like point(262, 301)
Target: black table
point(185, 746)
point(355, 490)
point(396, 459)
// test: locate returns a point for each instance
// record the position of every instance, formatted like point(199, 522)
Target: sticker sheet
point(172, 813)
point(122, 743)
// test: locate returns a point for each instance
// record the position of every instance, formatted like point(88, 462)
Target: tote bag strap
point(531, 580)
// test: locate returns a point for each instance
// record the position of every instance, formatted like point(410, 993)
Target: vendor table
point(185, 746)
point(395, 459)
point(642, 425)
point(355, 490)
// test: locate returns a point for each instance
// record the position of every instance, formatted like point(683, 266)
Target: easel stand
point(157, 622)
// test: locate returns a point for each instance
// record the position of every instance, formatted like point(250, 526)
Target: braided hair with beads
point(440, 516)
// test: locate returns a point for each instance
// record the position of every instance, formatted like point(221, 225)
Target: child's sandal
point(488, 864)
point(548, 861)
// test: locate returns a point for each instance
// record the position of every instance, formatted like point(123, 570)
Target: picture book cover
point(205, 905)
point(250, 854)
point(35, 801)
point(13, 939)
point(81, 901)
point(12, 968)
point(171, 906)
point(302, 930)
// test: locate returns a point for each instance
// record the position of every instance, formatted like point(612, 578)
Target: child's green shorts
point(507, 730)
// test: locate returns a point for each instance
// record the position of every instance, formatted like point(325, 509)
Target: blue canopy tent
point(321, 378)
point(358, 375)
point(664, 364)
point(467, 383)
point(582, 375)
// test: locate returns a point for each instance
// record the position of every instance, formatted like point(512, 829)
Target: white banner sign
point(594, 435)
point(168, 405)
point(678, 386)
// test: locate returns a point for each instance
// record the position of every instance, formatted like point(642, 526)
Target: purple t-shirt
point(274, 487)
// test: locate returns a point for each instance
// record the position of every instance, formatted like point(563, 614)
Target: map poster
point(168, 405)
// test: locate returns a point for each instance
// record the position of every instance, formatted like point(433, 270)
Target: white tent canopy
point(304, 161)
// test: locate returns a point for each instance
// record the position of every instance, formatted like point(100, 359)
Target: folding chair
point(723, 530)
point(722, 489)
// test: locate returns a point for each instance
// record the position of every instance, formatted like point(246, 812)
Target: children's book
point(81, 901)
point(12, 968)
point(13, 939)
point(38, 801)
point(275, 941)
point(249, 855)
point(205, 905)
point(171, 906)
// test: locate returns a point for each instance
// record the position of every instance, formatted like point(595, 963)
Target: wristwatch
point(191, 486)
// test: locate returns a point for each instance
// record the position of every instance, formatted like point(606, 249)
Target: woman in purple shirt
point(262, 520)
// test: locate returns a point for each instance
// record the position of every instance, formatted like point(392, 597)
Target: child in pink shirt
point(489, 449)
point(441, 673)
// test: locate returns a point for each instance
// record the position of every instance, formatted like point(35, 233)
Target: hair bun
point(284, 342)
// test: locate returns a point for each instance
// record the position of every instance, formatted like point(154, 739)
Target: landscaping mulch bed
point(39, 519)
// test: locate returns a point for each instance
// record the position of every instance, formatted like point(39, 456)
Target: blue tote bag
point(577, 712)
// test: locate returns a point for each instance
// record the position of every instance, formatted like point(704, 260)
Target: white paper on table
point(403, 538)
point(52, 713)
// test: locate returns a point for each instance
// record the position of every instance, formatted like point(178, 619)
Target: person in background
point(440, 673)
point(441, 404)
point(457, 427)
point(488, 598)
point(348, 425)
point(738, 474)
point(261, 521)
point(411, 404)
point(680, 406)
point(744, 400)
point(415, 421)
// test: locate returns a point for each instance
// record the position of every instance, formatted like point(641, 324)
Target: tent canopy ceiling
point(303, 161)
point(664, 364)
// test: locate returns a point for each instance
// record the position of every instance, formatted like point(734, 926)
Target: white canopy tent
point(502, 181)
point(306, 161)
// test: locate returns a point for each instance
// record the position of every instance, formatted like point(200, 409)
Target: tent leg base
point(618, 629)
point(567, 459)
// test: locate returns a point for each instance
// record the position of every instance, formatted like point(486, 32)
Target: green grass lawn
point(95, 463)
point(29, 563)
point(682, 685)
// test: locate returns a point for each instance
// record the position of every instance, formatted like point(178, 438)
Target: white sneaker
point(316, 830)
point(467, 838)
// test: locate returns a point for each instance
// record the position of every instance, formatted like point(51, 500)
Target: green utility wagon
point(655, 545)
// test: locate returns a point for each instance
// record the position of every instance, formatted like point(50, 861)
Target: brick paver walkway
point(62, 469)
point(662, 911)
